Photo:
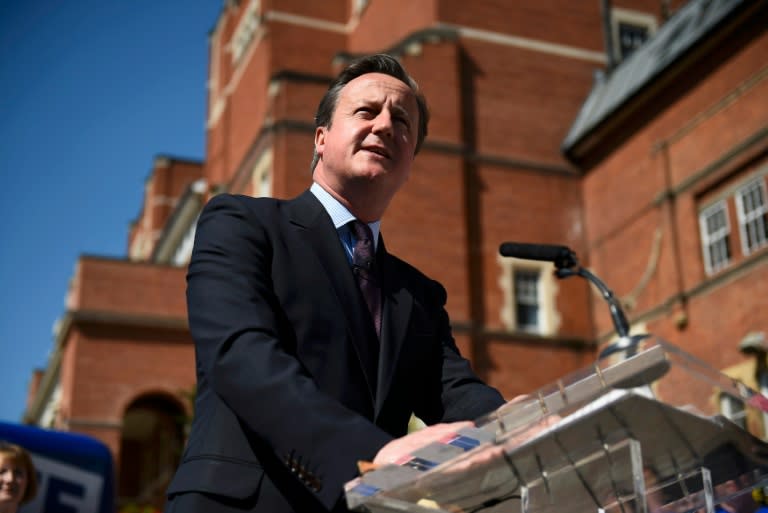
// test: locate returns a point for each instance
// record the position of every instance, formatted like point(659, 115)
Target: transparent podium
point(637, 432)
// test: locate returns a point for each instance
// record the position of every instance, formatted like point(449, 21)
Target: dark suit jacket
point(285, 406)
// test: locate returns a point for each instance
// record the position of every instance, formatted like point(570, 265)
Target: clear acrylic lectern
point(638, 432)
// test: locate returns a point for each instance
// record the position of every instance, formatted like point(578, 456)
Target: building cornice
point(74, 318)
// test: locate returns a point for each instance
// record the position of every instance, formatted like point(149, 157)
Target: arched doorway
point(151, 442)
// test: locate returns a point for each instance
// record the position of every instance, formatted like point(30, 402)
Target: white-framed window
point(733, 408)
point(529, 289)
point(752, 211)
point(630, 29)
point(216, 98)
point(715, 236)
point(246, 30)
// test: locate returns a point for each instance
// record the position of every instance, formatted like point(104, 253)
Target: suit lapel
point(309, 216)
point(398, 303)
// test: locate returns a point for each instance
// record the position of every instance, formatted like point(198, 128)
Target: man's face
point(372, 137)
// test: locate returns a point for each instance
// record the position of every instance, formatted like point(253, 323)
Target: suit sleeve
point(455, 392)
point(234, 318)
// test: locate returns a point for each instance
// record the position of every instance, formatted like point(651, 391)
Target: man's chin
point(371, 174)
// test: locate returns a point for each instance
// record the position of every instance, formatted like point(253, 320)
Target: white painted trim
point(246, 30)
point(183, 251)
point(51, 408)
point(525, 43)
point(239, 69)
point(262, 174)
point(306, 21)
point(159, 200)
point(213, 84)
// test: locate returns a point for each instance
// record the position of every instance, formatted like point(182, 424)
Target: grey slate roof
point(681, 32)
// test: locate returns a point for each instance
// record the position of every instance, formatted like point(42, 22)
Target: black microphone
point(562, 256)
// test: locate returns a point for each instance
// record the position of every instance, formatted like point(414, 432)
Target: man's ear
point(320, 140)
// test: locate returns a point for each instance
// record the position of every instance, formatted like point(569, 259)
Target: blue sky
point(90, 92)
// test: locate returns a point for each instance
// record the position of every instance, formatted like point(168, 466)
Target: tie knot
point(361, 231)
point(362, 254)
point(365, 274)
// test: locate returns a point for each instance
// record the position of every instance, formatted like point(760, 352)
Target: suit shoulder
point(238, 205)
point(241, 200)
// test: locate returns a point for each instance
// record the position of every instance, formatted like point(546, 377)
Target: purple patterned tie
point(362, 263)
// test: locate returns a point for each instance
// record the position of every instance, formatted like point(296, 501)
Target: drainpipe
point(605, 11)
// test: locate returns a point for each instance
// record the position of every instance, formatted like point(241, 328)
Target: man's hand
point(408, 444)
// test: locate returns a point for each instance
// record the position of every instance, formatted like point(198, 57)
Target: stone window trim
point(549, 318)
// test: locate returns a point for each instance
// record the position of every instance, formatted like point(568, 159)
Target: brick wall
point(694, 144)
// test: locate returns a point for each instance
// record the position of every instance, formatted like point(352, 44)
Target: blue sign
point(74, 471)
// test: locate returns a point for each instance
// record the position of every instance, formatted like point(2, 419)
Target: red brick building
point(653, 171)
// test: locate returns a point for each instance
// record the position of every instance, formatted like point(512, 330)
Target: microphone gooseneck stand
point(567, 265)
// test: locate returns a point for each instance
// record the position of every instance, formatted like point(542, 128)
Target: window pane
point(715, 237)
point(753, 216)
point(631, 37)
point(527, 299)
point(527, 317)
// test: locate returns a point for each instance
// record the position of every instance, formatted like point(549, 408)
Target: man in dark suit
point(301, 374)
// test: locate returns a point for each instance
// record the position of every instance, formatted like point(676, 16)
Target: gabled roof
point(690, 25)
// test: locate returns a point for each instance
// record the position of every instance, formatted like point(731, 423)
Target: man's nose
point(383, 123)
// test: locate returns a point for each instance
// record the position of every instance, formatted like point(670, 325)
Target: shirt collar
point(340, 216)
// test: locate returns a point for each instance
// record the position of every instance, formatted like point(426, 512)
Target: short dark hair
point(21, 457)
point(379, 63)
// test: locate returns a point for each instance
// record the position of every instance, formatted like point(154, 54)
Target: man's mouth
point(378, 150)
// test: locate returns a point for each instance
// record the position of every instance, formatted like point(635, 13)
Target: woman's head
point(18, 481)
